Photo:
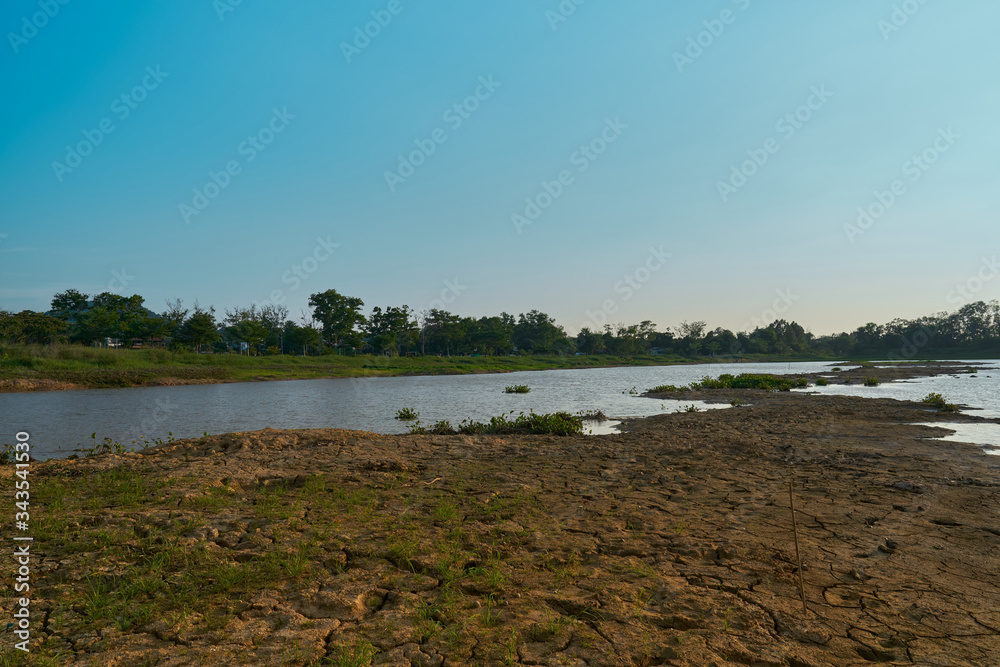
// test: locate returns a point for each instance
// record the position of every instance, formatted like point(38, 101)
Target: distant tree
point(31, 328)
point(393, 329)
point(538, 333)
point(66, 305)
point(589, 342)
point(302, 337)
point(339, 316)
point(199, 329)
point(118, 317)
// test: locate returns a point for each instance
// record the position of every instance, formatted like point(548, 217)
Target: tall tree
point(339, 316)
point(199, 329)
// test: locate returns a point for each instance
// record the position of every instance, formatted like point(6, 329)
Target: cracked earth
point(670, 544)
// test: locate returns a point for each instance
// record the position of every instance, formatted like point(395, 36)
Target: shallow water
point(61, 422)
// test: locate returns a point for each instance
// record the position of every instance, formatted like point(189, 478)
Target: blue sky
point(588, 170)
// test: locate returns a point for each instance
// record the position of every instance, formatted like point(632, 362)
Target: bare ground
point(668, 545)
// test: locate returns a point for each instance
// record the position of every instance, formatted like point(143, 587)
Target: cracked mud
point(670, 544)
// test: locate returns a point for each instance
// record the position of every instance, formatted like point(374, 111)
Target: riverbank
point(40, 368)
point(670, 544)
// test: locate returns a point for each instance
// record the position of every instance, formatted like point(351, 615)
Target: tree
point(31, 328)
point(119, 317)
point(339, 316)
point(199, 329)
point(67, 305)
point(538, 333)
point(392, 329)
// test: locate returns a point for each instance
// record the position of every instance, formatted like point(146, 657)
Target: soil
point(670, 544)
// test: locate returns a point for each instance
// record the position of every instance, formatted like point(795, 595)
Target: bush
point(556, 423)
point(745, 381)
point(937, 400)
point(406, 414)
point(871, 382)
point(518, 389)
point(666, 387)
point(802, 382)
point(822, 382)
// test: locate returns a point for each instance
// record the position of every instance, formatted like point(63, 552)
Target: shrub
point(871, 382)
point(745, 381)
point(802, 382)
point(518, 389)
point(406, 414)
point(822, 382)
point(666, 387)
point(837, 369)
point(556, 423)
point(937, 400)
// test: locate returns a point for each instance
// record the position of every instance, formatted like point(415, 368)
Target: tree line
point(338, 324)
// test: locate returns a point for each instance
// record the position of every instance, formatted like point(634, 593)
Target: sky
point(731, 161)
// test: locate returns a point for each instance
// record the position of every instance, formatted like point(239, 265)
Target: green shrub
point(937, 400)
point(518, 389)
point(406, 414)
point(556, 423)
point(745, 381)
point(802, 382)
point(871, 382)
point(822, 382)
point(666, 387)
point(837, 369)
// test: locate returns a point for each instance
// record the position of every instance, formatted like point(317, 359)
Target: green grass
point(97, 367)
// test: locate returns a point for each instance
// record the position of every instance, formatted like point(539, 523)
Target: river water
point(61, 422)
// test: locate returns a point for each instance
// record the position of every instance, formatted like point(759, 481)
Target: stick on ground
point(798, 559)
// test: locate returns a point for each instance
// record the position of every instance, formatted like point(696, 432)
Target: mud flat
point(670, 544)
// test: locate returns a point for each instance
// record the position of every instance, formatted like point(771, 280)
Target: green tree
point(199, 329)
point(31, 328)
point(67, 305)
point(339, 315)
point(393, 329)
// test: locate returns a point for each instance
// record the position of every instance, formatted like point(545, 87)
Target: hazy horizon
point(664, 163)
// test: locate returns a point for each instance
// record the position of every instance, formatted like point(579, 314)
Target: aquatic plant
point(665, 387)
point(518, 389)
point(937, 400)
point(746, 381)
point(822, 382)
point(871, 382)
point(556, 423)
point(406, 414)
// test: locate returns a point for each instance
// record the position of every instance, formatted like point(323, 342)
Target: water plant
point(822, 382)
point(871, 382)
point(746, 381)
point(517, 389)
point(556, 423)
point(406, 414)
point(937, 400)
point(666, 387)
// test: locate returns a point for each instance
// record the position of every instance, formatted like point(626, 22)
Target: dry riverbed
point(670, 544)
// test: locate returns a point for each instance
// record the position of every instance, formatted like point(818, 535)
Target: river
point(61, 422)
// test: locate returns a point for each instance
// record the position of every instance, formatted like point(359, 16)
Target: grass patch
point(556, 423)
point(517, 389)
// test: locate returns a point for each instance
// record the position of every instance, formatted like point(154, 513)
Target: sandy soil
point(670, 544)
